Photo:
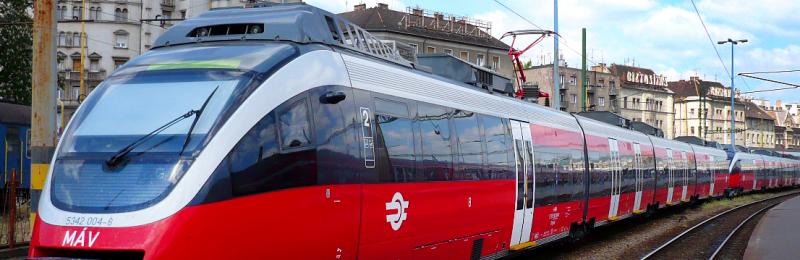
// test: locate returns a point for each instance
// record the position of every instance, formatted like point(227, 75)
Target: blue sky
point(665, 36)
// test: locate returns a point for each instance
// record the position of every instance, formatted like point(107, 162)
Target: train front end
point(137, 172)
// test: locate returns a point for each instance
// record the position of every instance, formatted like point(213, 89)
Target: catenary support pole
point(556, 83)
point(43, 116)
point(584, 79)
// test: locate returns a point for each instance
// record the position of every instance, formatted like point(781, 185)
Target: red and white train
point(287, 132)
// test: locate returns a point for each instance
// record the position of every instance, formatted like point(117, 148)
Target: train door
point(637, 166)
point(711, 168)
point(685, 175)
point(616, 177)
point(523, 213)
point(670, 177)
point(754, 169)
point(13, 153)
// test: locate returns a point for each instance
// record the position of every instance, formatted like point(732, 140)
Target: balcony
point(87, 75)
point(612, 91)
point(168, 5)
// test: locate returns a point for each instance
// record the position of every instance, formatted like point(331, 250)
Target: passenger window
point(469, 145)
point(394, 146)
point(437, 155)
point(295, 125)
point(497, 147)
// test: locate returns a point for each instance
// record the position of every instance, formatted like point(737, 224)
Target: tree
point(16, 50)
point(527, 65)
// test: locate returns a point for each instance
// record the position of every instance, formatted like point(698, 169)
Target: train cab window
point(470, 156)
point(295, 126)
point(498, 144)
point(394, 142)
point(258, 163)
point(737, 167)
point(437, 154)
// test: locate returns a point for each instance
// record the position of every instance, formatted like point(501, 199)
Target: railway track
point(722, 235)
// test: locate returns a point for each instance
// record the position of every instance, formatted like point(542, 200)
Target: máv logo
point(399, 206)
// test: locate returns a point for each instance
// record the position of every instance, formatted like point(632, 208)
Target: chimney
point(438, 16)
point(383, 6)
point(694, 78)
point(360, 7)
point(778, 105)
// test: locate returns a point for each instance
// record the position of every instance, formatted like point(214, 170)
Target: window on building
point(91, 13)
point(76, 13)
point(76, 63)
point(118, 16)
point(183, 14)
point(479, 60)
point(121, 39)
point(691, 111)
point(416, 47)
point(94, 65)
point(691, 130)
point(464, 55)
point(573, 98)
point(601, 101)
point(573, 80)
point(625, 102)
point(430, 49)
point(495, 62)
point(76, 92)
point(58, 13)
point(119, 61)
point(76, 39)
point(448, 51)
point(62, 13)
point(98, 14)
point(62, 40)
point(561, 80)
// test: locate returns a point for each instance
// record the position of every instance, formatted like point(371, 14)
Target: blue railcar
point(15, 137)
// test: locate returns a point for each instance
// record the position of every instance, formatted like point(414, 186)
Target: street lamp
point(733, 92)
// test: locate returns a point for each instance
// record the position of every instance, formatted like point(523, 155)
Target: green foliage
point(16, 50)
point(527, 65)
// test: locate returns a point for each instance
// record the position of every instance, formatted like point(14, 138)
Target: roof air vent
point(227, 29)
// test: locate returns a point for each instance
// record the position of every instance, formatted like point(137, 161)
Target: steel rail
point(679, 236)
point(724, 242)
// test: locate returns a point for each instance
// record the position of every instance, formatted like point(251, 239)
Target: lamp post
point(733, 92)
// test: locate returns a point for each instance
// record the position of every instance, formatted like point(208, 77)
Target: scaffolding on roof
point(416, 17)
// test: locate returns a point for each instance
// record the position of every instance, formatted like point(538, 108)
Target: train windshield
point(169, 106)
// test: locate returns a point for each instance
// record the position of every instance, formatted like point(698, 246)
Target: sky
point(665, 36)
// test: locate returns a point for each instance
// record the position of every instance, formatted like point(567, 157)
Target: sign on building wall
point(649, 79)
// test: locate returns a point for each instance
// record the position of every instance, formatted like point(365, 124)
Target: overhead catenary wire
point(564, 40)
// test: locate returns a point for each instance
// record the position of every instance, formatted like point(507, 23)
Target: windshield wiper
point(196, 118)
point(120, 156)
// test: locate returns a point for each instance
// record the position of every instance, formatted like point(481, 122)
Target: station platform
point(777, 235)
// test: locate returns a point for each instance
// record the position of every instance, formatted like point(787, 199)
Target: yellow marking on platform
point(638, 211)
point(522, 246)
point(614, 218)
point(38, 175)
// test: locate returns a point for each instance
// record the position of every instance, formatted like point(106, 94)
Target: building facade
point(435, 32)
point(787, 129)
point(760, 130)
point(643, 97)
point(703, 109)
point(600, 91)
point(114, 33)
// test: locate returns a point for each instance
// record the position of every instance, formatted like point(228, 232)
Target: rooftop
point(382, 19)
point(15, 114)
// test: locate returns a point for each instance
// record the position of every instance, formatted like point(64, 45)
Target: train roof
point(15, 114)
point(299, 23)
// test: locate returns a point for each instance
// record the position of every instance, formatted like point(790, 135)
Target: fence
point(15, 226)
